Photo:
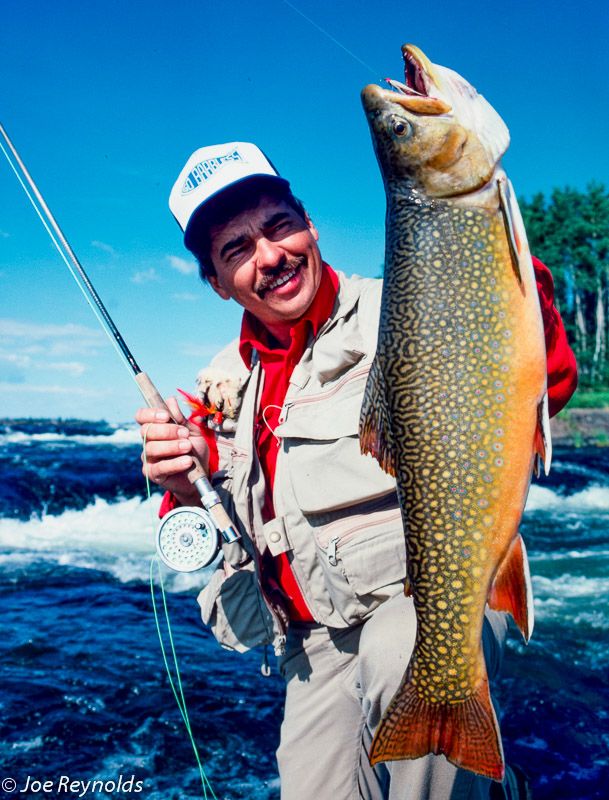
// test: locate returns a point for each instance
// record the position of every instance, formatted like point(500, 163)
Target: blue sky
point(106, 100)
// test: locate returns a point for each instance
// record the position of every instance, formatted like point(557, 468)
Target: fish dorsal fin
point(374, 423)
point(514, 243)
point(511, 589)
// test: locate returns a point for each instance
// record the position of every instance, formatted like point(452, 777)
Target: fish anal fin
point(511, 590)
point(467, 732)
point(374, 422)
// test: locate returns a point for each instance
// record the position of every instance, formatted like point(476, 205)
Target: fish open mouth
point(415, 93)
point(415, 78)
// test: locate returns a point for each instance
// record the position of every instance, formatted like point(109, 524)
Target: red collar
point(254, 335)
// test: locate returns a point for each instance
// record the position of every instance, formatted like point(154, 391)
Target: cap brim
point(198, 215)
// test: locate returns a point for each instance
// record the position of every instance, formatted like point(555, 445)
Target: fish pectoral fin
point(467, 732)
point(374, 422)
point(543, 436)
point(508, 219)
point(511, 590)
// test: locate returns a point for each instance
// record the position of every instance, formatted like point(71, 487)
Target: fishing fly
point(190, 537)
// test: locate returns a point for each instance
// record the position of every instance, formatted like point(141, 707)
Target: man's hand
point(169, 449)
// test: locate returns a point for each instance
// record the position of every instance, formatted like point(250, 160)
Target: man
point(322, 574)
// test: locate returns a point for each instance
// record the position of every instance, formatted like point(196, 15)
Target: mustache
point(272, 275)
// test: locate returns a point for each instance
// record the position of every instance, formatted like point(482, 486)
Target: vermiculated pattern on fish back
point(450, 371)
point(446, 361)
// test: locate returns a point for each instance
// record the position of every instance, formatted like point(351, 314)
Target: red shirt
point(562, 367)
point(278, 363)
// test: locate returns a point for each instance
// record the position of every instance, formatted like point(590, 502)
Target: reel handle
point(196, 475)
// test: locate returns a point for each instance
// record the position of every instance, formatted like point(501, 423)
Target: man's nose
point(270, 254)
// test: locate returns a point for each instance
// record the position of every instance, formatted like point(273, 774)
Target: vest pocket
point(232, 606)
point(321, 447)
point(363, 555)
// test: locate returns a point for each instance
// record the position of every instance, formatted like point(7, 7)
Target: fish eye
point(400, 127)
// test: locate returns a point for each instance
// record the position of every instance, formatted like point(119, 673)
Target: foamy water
point(118, 538)
point(591, 499)
point(122, 435)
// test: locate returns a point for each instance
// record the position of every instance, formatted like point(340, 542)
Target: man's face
point(267, 259)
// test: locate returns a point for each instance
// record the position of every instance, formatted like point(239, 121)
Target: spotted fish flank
point(454, 400)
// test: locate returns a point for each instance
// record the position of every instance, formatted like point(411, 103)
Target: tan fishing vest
point(337, 512)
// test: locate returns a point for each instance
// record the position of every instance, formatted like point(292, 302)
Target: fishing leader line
point(178, 692)
point(375, 72)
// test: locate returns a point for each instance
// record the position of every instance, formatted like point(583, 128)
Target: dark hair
point(231, 202)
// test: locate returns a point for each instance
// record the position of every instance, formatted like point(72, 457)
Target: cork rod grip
point(154, 400)
point(220, 517)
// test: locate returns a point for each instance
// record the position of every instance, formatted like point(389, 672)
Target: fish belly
point(461, 369)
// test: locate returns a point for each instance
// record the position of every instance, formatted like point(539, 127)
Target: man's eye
point(235, 255)
point(282, 227)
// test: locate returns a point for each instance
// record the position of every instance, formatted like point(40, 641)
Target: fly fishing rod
point(189, 537)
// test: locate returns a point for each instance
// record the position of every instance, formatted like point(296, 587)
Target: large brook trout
point(455, 405)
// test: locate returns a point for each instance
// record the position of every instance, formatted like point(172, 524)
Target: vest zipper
point(279, 629)
point(331, 550)
point(323, 395)
point(331, 545)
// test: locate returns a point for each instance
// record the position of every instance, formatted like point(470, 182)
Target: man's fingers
point(161, 470)
point(167, 449)
point(172, 413)
point(146, 415)
point(159, 432)
point(176, 412)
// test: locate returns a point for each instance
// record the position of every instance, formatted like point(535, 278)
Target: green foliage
point(591, 398)
point(569, 231)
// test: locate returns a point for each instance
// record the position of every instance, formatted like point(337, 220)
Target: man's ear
point(218, 289)
point(311, 227)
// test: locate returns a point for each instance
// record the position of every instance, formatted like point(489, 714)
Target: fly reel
point(187, 539)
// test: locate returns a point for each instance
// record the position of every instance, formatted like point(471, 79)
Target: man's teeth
point(281, 280)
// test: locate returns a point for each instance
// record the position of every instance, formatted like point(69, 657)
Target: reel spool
point(187, 539)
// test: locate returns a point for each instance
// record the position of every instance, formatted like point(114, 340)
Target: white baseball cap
point(211, 170)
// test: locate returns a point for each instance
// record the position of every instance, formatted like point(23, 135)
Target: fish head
point(434, 130)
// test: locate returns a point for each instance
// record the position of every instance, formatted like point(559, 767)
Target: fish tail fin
point(511, 590)
point(467, 733)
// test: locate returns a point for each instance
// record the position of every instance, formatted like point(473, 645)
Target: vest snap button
point(275, 537)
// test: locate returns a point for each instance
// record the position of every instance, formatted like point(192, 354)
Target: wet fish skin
point(452, 405)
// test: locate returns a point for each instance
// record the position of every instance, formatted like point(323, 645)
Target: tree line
point(569, 232)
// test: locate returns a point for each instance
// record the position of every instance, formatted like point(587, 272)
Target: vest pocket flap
point(326, 476)
point(377, 562)
point(328, 414)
